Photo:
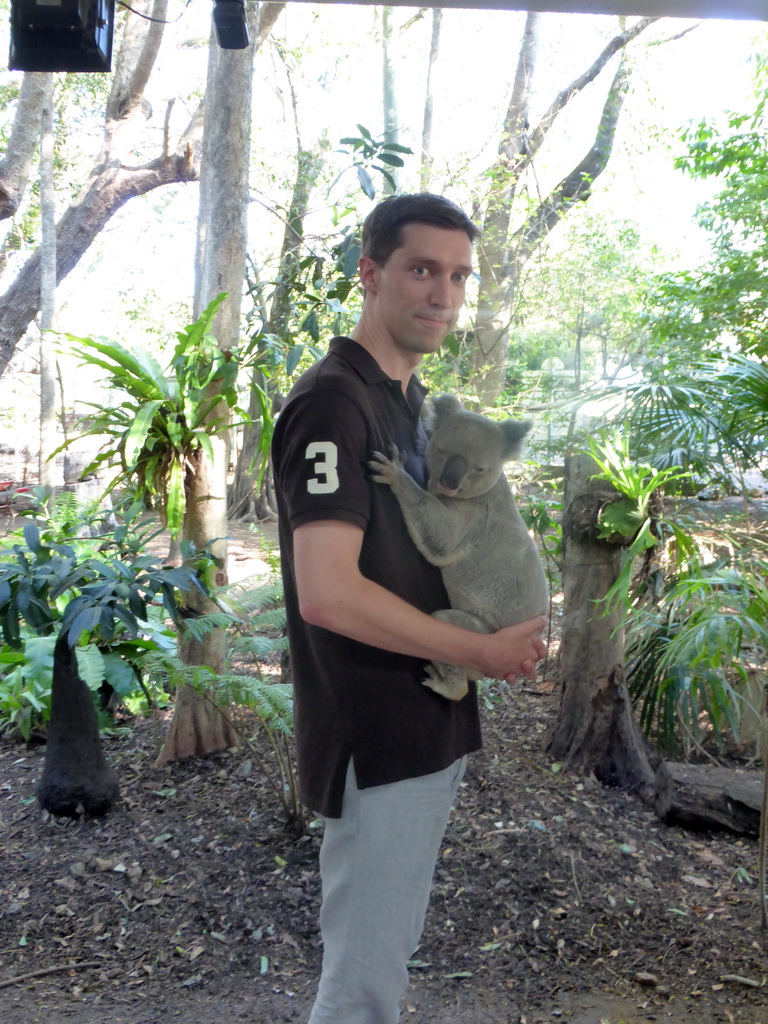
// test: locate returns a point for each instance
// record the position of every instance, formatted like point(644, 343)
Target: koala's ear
point(436, 408)
point(445, 405)
point(514, 431)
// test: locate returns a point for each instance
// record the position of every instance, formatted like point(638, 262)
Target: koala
point(467, 523)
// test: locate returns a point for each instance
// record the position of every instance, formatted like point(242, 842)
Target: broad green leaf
point(140, 428)
point(120, 675)
point(90, 666)
point(350, 260)
point(38, 658)
point(391, 160)
point(175, 500)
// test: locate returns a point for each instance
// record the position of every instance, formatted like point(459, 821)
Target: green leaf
point(139, 429)
point(32, 537)
point(366, 184)
point(176, 502)
point(293, 358)
point(38, 658)
point(311, 326)
point(83, 622)
point(90, 666)
point(350, 260)
point(120, 675)
point(390, 160)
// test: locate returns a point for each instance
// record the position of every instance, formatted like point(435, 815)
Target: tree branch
point(576, 186)
point(564, 97)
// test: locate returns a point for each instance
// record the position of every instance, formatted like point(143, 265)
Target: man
point(380, 755)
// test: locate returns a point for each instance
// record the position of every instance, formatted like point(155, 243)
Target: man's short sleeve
point(320, 454)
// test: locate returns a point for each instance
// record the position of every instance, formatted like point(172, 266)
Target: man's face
point(414, 299)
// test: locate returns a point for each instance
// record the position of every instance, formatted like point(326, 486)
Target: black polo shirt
point(351, 699)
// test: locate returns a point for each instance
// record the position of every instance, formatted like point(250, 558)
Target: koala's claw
point(447, 680)
point(385, 469)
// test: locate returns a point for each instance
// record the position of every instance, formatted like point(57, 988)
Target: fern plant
point(254, 617)
point(690, 651)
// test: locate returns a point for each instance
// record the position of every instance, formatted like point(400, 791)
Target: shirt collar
point(363, 363)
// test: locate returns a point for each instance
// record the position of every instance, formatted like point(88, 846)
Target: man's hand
point(515, 650)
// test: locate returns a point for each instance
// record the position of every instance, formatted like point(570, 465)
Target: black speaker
point(231, 26)
point(61, 35)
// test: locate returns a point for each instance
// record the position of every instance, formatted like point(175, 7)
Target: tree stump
point(595, 730)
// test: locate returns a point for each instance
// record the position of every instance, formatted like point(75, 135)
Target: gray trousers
point(376, 866)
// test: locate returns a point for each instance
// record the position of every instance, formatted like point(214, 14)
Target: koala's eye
point(480, 469)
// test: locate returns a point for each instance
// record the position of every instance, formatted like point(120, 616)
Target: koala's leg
point(450, 681)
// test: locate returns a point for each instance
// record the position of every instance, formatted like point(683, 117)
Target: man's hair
point(382, 228)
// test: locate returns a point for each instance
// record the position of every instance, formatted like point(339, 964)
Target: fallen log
point(704, 797)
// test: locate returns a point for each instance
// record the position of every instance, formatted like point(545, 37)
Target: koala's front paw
point(386, 470)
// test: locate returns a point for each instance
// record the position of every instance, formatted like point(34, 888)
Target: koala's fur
point(468, 524)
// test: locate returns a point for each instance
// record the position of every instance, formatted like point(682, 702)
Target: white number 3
point(327, 479)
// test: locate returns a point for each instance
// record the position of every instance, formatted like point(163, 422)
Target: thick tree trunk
point(76, 777)
point(595, 730)
point(198, 726)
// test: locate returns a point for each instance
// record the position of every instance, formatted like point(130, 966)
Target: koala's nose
point(453, 472)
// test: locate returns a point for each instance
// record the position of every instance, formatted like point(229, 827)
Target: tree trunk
point(595, 731)
point(46, 477)
point(491, 327)
point(244, 501)
point(76, 777)
point(198, 726)
point(391, 126)
point(503, 253)
point(429, 103)
point(16, 165)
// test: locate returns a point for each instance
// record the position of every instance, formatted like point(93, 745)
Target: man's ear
point(367, 269)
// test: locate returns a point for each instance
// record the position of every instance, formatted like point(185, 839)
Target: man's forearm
point(370, 614)
point(335, 595)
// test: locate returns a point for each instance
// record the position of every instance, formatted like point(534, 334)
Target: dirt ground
point(555, 899)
